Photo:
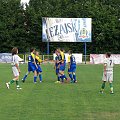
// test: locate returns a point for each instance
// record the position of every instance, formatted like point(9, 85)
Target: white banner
point(7, 58)
point(78, 57)
point(99, 58)
point(66, 29)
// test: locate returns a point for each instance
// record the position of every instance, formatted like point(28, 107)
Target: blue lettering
point(74, 27)
point(56, 30)
point(66, 28)
point(62, 29)
point(51, 31)
point(69, 27)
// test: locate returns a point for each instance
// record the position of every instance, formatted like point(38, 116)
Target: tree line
point(23, 27)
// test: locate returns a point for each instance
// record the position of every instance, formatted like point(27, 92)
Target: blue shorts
point(31, 67)
point(72, 68)
point(62, 67)
point(39, 69)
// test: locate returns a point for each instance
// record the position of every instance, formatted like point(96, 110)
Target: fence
point(6, 57)
point(50, 57)
point(43, 57)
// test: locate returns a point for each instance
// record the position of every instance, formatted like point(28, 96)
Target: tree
point(23, 27)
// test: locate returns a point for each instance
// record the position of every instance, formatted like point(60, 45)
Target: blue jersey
point(30, 58)
point(31, 65)
point(36, 61)
point(60, 58)
point(62, 64)
point(72, 60)
point(57, 59)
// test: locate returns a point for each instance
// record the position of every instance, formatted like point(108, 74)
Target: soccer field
point(50, 101)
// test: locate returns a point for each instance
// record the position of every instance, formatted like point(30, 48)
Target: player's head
point(108, 54)
point(32, 50)
point(62, 50)
point(56, 52)
point(14, 51)
point(70, 52)
point(37, 53)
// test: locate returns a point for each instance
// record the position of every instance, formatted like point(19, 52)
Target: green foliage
point(23, 28)
point(11, 25)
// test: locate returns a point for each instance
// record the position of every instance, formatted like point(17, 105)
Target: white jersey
point(109, 64)
point(15, 60)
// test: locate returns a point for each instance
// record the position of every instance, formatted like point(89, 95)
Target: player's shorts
point(39, 68)
point(62, 67)
point(108, 77)
point(31, 67)
point(72, 68)
point(15, 71)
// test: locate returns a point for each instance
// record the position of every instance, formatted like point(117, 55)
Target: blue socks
point(40, 77)
point(74, 77)
point(70, 75)
point(58, 78)
point(25, 77)
point(35, 78)
point(63, 77)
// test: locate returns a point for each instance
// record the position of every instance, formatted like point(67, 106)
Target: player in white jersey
point(108, 72)
point(15, 69)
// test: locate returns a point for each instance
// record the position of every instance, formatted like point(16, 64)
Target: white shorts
point(15, 71)
point(108, 77)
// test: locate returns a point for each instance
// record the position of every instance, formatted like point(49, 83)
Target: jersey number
point(110, 62)
point(73, 59)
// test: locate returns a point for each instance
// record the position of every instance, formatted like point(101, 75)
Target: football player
point(31, 65)
point(57, 65)
point(108, 72)
point(15, 69)
point(62, 62)
point(38, 61)
point(72, 67)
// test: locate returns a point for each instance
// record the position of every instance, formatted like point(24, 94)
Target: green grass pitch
point(50, 101)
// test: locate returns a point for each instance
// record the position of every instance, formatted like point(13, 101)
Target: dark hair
point(62, 50)
point(14, 50)
point(32, 49)
point(70, 51)
point(108, 54)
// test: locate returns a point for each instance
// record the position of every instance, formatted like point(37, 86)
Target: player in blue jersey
point(64, 58)
point(39, 69)
point(31, 65)
point(72, 67)
point(57, 65)
point(62, 62)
